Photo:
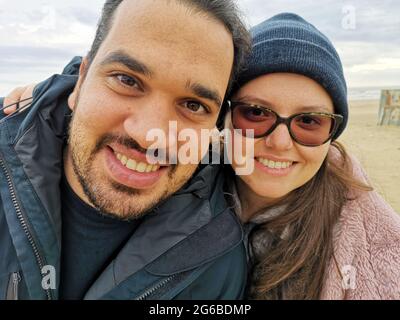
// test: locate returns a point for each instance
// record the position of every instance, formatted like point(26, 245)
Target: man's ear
point(73, 97)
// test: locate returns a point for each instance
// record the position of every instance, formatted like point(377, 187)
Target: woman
point(317, 230)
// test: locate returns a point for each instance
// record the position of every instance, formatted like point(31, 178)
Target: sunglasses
point(311, 129)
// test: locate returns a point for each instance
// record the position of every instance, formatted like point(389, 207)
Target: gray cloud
point(39, 37)
point(86, 16)
point(376, 21)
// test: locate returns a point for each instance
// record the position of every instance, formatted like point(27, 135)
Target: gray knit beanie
point(288, 43)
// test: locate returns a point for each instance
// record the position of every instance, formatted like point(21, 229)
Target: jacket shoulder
point(215, 254)
point(214, 240)
point(367, 240)
point(224, 279)
point(377, 219)
point(367, 213)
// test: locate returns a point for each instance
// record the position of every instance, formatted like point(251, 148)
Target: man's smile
point(132, 172)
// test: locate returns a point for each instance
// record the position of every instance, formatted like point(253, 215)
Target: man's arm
point(22, 93)
point(2, 114)
point(17, 95)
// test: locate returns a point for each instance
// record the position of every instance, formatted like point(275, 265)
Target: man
point(83, 214)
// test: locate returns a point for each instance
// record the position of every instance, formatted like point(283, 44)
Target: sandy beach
point(377, 147)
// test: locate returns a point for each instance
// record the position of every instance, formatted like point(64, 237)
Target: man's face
point(160, 62)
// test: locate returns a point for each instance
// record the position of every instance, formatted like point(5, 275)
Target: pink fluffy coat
point(367, 250)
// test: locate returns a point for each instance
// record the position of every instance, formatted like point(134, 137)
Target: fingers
point(17, 95)
point(13, 97)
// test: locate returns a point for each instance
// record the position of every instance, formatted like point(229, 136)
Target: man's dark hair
point(225, 11)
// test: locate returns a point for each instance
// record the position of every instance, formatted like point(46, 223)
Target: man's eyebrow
point(128, 61)
point(205, 93)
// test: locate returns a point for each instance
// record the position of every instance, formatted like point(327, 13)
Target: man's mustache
point(129, 143)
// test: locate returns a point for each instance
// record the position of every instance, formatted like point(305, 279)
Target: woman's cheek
point(313, 159)
point(243, 150)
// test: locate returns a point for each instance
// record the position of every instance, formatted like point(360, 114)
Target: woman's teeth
point(275, 164)
point(135, 165)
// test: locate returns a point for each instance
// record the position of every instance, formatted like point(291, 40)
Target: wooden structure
point(389, 109)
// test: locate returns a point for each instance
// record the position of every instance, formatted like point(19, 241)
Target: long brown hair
point(296, 264)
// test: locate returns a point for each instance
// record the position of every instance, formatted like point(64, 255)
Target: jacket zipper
point(23, 222)
point(153, 289)
point(12, 291)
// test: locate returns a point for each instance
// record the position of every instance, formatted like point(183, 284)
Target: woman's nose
point(279, 138)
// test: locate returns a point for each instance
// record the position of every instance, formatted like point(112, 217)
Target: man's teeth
point(135, 165)
point(275, 164)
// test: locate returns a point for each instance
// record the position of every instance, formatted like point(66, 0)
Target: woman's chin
point(268, 192)
point(273, 197)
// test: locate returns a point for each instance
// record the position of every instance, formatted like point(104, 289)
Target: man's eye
point(127, 80)
point(196, 107)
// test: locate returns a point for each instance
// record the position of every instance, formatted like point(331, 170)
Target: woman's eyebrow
point(254, 100)
point(314, 108)
point(301, 108)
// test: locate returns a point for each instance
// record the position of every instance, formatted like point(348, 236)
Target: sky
point(38, 37)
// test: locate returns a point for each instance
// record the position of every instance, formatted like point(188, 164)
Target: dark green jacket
point(190, 247)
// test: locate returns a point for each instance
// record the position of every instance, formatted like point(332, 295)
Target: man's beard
point(109, 197)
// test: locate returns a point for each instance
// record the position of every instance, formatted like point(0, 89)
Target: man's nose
point(152, 120)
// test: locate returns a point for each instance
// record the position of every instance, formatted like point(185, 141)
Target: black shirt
point(90, 241)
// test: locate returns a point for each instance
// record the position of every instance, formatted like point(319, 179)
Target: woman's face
point(282, 165)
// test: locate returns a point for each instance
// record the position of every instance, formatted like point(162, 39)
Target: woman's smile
point(274, 166)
